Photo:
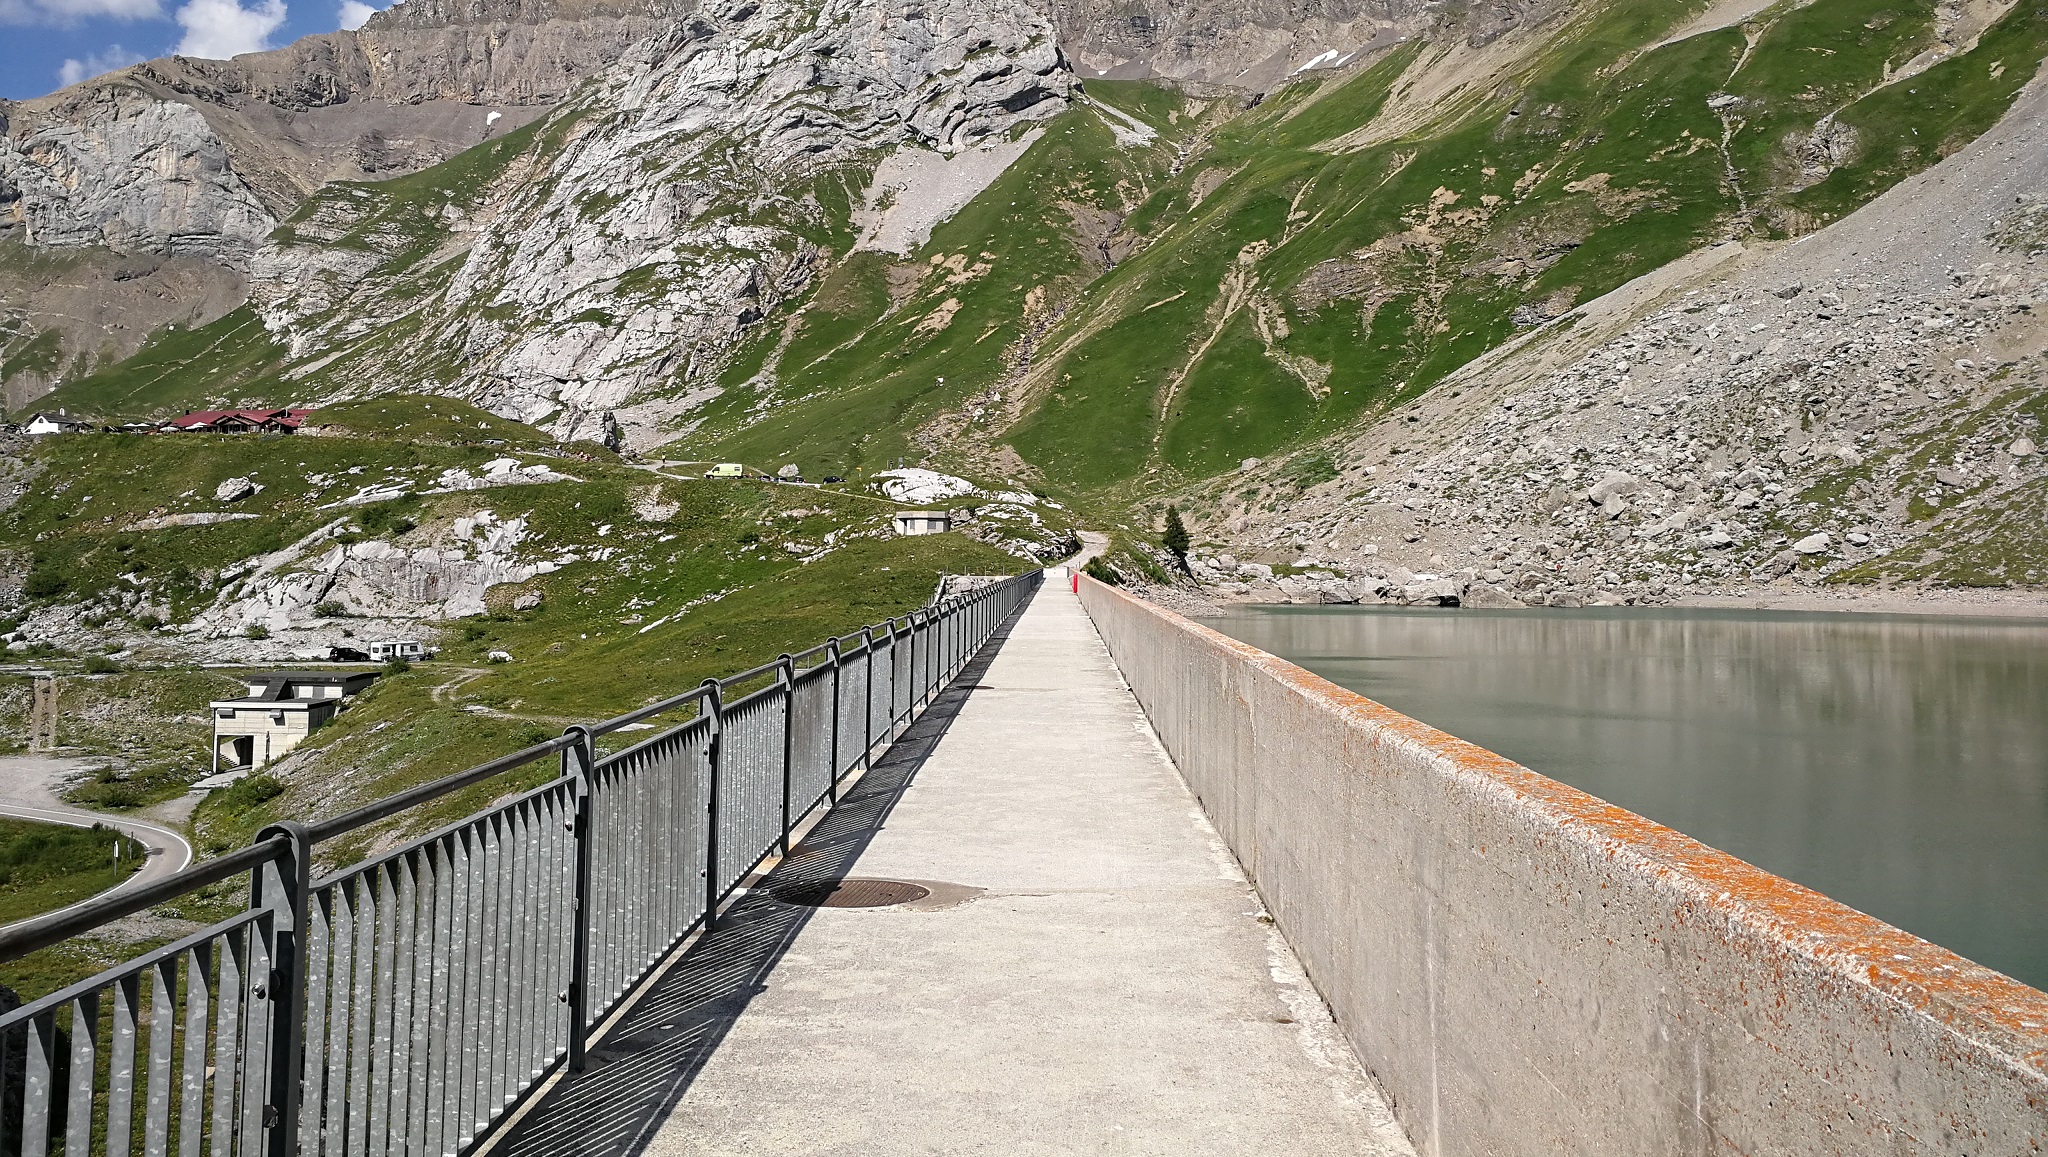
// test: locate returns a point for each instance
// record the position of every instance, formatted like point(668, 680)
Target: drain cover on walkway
point(854, 893)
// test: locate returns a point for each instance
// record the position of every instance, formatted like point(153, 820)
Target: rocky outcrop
point(1313, 581)
point(113, 166)
point(681, 204)
point(374, 577)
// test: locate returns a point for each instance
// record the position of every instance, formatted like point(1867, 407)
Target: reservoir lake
point(1898, 763)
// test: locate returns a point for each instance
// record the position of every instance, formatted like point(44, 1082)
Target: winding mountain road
point(28, 791)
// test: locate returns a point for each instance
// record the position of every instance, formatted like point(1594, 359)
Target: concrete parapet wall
point(1526, 969)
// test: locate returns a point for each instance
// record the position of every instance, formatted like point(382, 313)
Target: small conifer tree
point(1175, 537)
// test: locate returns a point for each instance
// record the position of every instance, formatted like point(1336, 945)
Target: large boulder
point(1437, 592)
point(234, 490)
point(1486, 596)
point(1614, 484)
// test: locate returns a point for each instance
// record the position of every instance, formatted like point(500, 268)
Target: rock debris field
point(1866, 403)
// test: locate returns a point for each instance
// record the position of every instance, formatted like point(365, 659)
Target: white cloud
point(218, 29)
point(115, 56)
point(65, 12)
point(354, 13)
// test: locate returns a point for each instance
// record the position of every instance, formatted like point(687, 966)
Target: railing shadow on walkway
point(642, 1068)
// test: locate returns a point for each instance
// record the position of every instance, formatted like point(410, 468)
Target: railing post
point(280, 887)
point(832, 776)
point(785, 673)
point(714, 709)
point(578, 762)
point(931, 650)
point(867, 694)
point(916, 684)
point(893, 648)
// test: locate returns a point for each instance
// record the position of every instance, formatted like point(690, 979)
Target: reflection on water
point(1896, 763)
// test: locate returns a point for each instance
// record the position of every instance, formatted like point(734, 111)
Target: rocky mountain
point(1257, 45)
point(1868, 403)
point(1229, 256)
point(681, 198)
point(203, 157)
point(195, 161)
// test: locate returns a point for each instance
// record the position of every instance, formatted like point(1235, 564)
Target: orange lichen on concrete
point(1970, 999)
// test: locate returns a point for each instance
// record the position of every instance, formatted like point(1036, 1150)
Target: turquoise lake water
point(1898, 763)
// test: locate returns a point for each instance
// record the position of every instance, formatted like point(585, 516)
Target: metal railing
point(410, 1003)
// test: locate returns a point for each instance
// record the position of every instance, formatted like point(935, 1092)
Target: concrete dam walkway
point(1088, 971)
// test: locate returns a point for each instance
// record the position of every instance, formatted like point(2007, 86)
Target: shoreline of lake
point(1989, 603)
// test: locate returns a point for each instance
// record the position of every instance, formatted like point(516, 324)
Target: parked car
point(347, 655)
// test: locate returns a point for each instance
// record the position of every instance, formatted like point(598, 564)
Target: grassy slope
point(862, 371)
point(574, 661)
point(47, 866)
point(1392, 265)
point(651, 546)
point(75, 521)
point(230, 363)
point(1288, 288)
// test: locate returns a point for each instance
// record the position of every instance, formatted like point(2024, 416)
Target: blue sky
point(46, 44)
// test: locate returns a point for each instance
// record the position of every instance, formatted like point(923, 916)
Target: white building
point(923, 522)
point(57, 423)
point(280, 711)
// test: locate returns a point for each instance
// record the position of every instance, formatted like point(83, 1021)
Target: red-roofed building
point(239, 421)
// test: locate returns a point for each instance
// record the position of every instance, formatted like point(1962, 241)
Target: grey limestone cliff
point(690, 193)
point(114, 166)
point(205, 156)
